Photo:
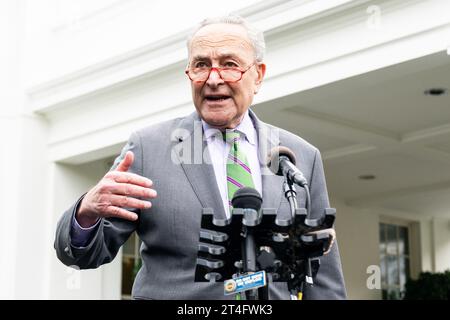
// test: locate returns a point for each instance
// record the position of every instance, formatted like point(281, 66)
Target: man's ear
point(261, 70)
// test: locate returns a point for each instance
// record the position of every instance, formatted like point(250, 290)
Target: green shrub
point(429, 286)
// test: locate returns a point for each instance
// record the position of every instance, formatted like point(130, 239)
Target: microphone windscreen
point(273, 161)
point(247, 198)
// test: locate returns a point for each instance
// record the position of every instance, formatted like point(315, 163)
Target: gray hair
point(255, 36)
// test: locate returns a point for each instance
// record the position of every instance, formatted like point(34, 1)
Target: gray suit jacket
point(169, 154)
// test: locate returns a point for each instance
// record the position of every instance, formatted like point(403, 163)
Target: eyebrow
point(224, 56)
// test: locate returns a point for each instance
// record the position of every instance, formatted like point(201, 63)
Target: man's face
point(224, 45)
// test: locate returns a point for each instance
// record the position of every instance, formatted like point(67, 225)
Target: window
point(394, 260)
point(131, 263)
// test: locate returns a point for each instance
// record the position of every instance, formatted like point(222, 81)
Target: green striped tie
point(239, 174)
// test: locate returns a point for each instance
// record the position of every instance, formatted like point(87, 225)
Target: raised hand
point(116, 191)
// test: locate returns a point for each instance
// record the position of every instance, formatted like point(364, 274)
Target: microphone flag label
point(245, 282)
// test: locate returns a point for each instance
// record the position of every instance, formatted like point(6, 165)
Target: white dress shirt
point(219, 149)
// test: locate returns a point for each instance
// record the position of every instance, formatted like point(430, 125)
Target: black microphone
point(250, 201)
point(247, 198)
point(282, 161)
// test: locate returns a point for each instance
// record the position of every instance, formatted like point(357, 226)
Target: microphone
point(250, 201)
point(247, 198)
point(282, 161)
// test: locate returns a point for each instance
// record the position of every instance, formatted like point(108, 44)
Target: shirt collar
point(246, 127)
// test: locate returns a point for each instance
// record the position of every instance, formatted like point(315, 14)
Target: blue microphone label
point(245, 282)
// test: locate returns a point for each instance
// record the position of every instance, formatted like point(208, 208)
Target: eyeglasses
point(227, 74)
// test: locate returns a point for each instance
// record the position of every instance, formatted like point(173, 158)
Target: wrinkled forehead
point(218, 40)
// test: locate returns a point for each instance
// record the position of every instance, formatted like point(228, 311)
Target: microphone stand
point(290, 193)
point(251, 219)
point(291, 196)
point(249, 258)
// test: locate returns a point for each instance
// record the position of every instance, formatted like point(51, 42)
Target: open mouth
point(216, 98)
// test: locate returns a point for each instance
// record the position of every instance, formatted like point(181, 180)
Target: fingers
point(129, 178)
point(116, 192)
point(331, 238)
point(126, 162)
point(331, 233)
point(116, 204)
point(117, 212)
point(128, 202)
point(330, 245)
point(130, 190)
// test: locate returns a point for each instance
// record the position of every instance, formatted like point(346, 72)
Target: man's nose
point(214, 78)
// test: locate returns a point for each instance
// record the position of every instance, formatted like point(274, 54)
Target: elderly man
point(226, 70)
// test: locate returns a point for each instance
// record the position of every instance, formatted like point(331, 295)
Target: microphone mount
point(263, 240)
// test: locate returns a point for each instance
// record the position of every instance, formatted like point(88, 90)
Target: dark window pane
point(383, 269)
point(402, 271)
point(403, 244)
point(392, 270)
point(384, 294)
point(382, 238)
point(407, 269)
point(394, 260)
point(391, 240)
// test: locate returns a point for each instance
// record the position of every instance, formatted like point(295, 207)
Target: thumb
point(126, 162)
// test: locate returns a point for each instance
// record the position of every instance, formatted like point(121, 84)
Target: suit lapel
point(191, 150)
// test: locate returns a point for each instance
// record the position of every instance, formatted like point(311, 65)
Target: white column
point(441, 244)
point(22, 168)
point(426, 245)
point(10, 105)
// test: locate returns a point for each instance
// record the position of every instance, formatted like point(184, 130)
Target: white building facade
point(347, 75)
